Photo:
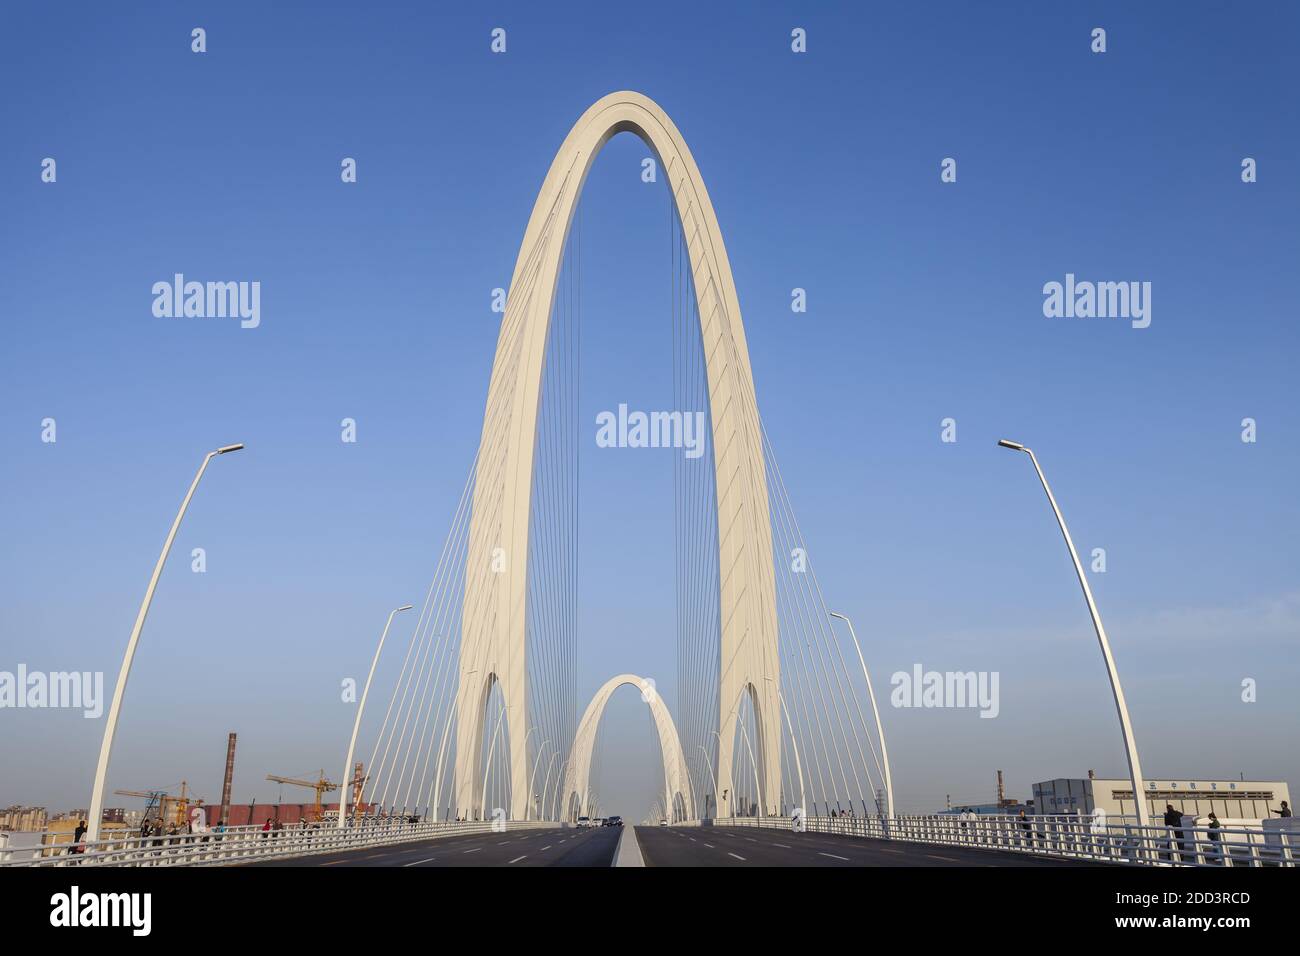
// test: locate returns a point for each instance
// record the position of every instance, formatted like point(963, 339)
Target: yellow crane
point(169, 809)
point(321, 786)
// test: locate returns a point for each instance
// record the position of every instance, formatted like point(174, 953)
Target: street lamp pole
point(361, 709)
point(96, 811)
point(880, 730)
point(1126, 727)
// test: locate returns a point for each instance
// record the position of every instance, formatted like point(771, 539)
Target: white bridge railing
point(1065, 836)
point(249, 844)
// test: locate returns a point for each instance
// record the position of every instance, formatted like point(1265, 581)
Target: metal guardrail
point(1071, 837)
point(251, 843)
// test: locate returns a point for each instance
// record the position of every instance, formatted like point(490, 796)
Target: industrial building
point(1230, 799)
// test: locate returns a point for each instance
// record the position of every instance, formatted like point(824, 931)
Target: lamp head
point(406, 607)
point(1013, 445)
point(229, 448)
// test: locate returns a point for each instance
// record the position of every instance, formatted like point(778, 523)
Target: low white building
point(1230, 799)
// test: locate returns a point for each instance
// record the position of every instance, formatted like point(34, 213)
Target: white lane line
point(475, 850)
point(418, 862)
point(781, 845)
point(737, 856)
point(545, 848)
point(709, 845)
point(518, 858)
point(692, 839)
point(946, 859)
point(835, 856)
point(503, 843)
point(333, 862)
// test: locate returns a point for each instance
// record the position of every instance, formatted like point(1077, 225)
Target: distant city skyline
point(926, 304)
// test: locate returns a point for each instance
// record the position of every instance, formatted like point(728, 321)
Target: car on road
point(584, 822)
point(663, 822)
point(614, 821)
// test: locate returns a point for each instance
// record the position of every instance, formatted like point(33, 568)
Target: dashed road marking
point(835, 856)
point(737, 856)
point(545, 848)
point(518, 858)
point(781, 845)
point(709, 845)
point(946, 859)
point(418, 862)
point(474, 850)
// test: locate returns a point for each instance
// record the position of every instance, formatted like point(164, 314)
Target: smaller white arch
point(677, 781)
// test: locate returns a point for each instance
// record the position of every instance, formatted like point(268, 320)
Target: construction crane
point(170, 809)
point(321, 786)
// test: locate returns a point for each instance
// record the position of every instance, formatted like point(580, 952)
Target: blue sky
point(925, 302)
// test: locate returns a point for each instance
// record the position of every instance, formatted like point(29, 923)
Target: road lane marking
point(418, 862)
point(946, 859)
point(834, 856)
point(503, 843)
point(475, 850)
point(751, 839)
point(333, 862)
point(737, 856)
point(518, 858)
point(709, 845)
point(545, 848)
point(692, 839)
point(781, 845)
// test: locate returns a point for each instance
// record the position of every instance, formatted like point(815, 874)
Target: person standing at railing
point(1028, 838)
point(1173, 820)
point(266, 829)
point(1284, 812)
point(77, 845)
point(1216, 852)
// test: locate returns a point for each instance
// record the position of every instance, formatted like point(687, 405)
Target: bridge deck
point(752, 846)
point(550, 847)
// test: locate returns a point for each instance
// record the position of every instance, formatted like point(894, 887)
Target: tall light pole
point(361, 709)
point(1126, 727)
point(709, 763)
point(96, 810)
point(880, 730)
point(533, 776)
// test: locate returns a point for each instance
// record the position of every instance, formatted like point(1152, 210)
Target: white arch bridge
point(771, 705)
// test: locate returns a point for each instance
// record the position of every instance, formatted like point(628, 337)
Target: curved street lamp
point(361, 709)
point(96, 811)
point(880, 730)
point(1126, 727)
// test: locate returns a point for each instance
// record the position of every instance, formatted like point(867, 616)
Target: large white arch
point(677, 778)
point(493, 638)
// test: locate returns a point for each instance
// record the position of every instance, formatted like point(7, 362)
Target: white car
point(584, 822)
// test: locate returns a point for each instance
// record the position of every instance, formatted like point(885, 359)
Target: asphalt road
point(549, 847)
point(751, 846)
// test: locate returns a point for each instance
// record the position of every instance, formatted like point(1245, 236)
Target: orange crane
point(321, 786)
